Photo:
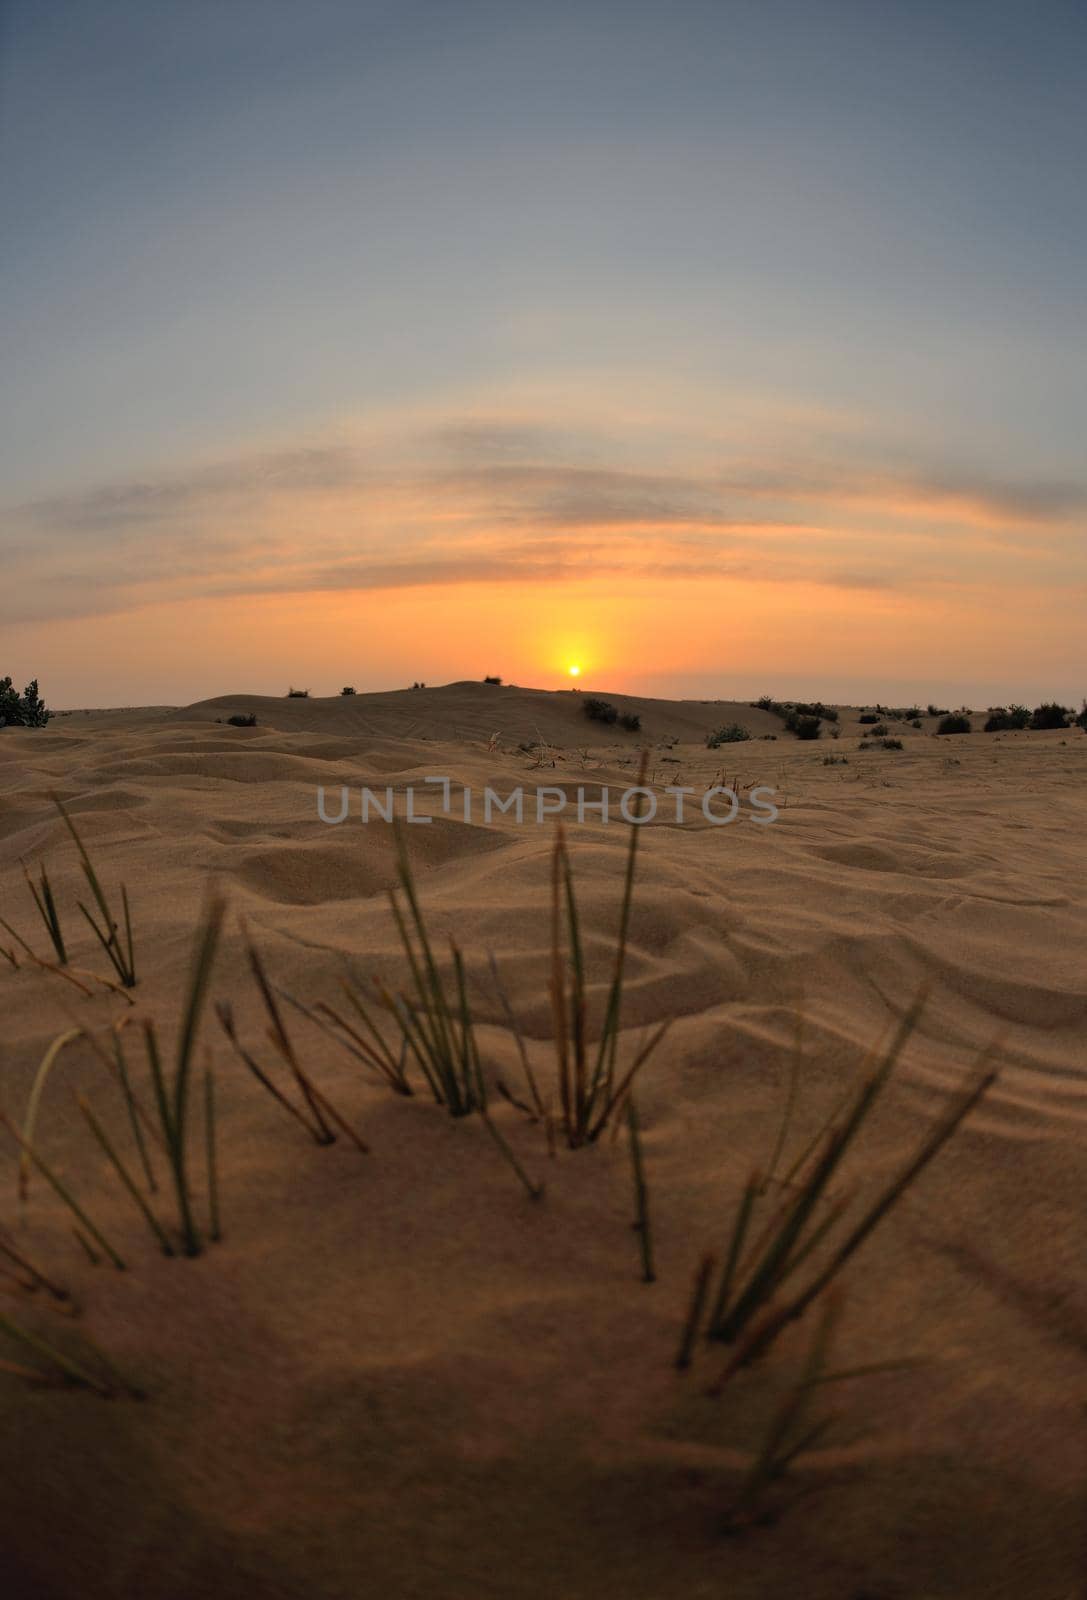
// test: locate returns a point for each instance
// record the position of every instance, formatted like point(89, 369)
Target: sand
point(399, 1376)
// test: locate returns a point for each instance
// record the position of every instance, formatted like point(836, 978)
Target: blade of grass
point(122, 1172)
point(62, 1191)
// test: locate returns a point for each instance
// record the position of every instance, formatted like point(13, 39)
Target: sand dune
point(397, 1375)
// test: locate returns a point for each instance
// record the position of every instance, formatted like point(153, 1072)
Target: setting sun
point(575, 672)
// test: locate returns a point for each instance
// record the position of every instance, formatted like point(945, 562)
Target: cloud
point(492, 501)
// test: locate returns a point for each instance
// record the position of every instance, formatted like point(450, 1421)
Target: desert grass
point(43, 897)
point(120, 951)
point(172, 1097)
point(591, 1089)
point(642, 1223)
point(64, 1194)
point(757, 1296)
point(316, 1113)
point(370, 1047)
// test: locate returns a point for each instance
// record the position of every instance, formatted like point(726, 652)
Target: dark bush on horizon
point(242, 720)
point(347, 689)
point(815, 708)
point(1081, 717)
point(631, 722)
point(491, 678)
point(955, 723)
point(868, 716)
point(598, 710)
point(26, 710)
point(297, 694)
point(936, 711)
point(803, 727)
point(1050, 715)
point(1004, 718)
point(731, 733)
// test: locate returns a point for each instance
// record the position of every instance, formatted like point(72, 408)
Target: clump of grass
point(316, 1114)
point(835, 761)
point(60, 1369)
point(121, 952)
point(64, 1194)
point(435, 1023)
point(591, 1089)
point(42, 893)
point(493, 678)
point(878, 730)
point(757, 1295)
point(369, 1047)
point(731, 733)
point(791, 1431)
point(630, 722)
point(348, 688)
point(297, 694)
point(598, 710)
point(955, 723)
point(242, 719)
point(892, 744)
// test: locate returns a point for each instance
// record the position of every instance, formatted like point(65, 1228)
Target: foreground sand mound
point(399, 1376)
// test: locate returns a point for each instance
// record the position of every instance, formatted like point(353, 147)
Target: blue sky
point(758, 248)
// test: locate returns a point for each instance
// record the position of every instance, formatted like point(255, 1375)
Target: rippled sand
point(397, 1376)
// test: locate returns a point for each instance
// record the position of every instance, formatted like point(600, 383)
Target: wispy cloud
point(488, 501)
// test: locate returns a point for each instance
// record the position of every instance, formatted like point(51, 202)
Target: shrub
point(803, 727)
point(1081, 717)
point(892, 744)
point(868, 716)
point(492, 679)
point(1001, 718)
point(242, 720)
point(731, 733)
point(347, 689)
point(297, 694)
point(955, 724)
point(598, 710)
point(879, 730)
point(815, 709)
point(1050, 715)
point(765, 702)
point(916, 722)
point(835, 761)
point(631, 721)
point(27, 710)
point(937, 711)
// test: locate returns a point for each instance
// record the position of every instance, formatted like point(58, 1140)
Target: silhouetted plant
point(1050, 715)
point(297, 694)
point(955, 723)
point(27, 710)
point(631, 722)
point(492, 678)
point(731, 733)
point(598, 710)
point(804, 727)
point(868, 717)
point(242, 720)
point(347, 689)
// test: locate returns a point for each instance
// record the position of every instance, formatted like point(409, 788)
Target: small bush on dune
point(879, 730)
point(1050, 715)
point(1081, 718)
point(955, 723)
point(1002, 719)
point(631, 721)
point(240, 720)
point(937, 711)
point(297, 694)
point(731, 733)
point(804, 727)
point(492, 679)
point(868, 716)
point(26, 710)
point(892, 744)
point(347, 689)
point(598, 710)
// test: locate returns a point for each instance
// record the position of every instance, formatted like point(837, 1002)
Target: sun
point(575, 672)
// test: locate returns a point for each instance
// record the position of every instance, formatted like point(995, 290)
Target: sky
point(718, 349)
